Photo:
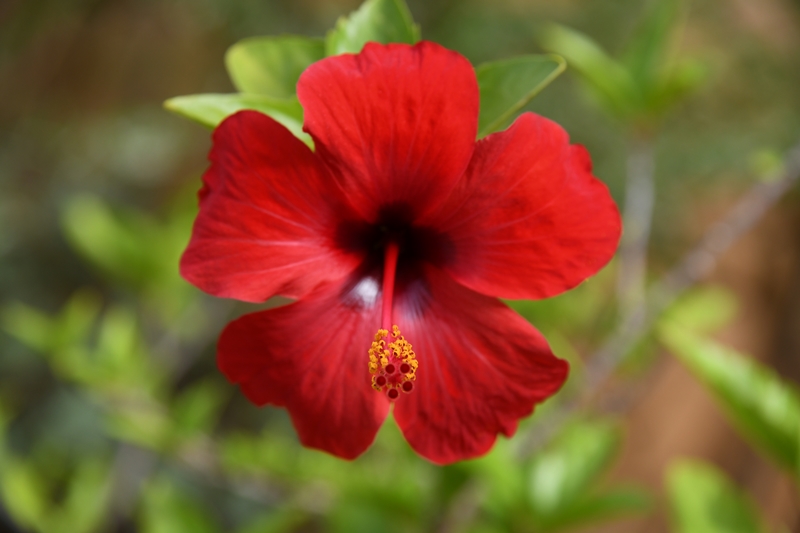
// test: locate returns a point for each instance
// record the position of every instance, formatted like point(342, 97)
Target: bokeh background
point(113, 416)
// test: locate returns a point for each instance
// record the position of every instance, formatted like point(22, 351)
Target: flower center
point(392, 361)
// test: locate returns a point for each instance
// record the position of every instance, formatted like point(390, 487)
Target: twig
point(696, 264)
point(637, 219)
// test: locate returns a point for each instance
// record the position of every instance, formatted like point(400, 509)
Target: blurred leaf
point(140, 422)
point(610, 80)
point(703, 500)
point(703, 310)
point(118, 246)
point(196, 409)
point(499, 471)
point(560, 475)
point(45, 334)
point(23, 494)
point(271, 66)
point(169, 510)
point(86, 500)
point(28, 325)
point(647, 51)
point(382, 21)
point(563, 478)
point(118, 336)
point(763, 406)
point(280, 521)
point(614, 503)
point(507, 85)
point(676, 83)
point(5, 418)
point(211, 109)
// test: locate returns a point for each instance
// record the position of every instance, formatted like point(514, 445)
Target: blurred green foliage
point(645, 83)
point(704, 501)
point(764, 407)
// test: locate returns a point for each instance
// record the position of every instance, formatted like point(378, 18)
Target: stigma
point(392, 363)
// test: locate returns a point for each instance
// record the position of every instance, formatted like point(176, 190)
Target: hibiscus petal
point(394, 121)
point(481, 368)
point(311, 357)
point(267, 216)
point(529, 220)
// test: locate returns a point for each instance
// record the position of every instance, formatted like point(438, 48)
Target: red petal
point(311, 357)
point(529, 220)
point(481, 368)
point(268, 212)
point(394, 121)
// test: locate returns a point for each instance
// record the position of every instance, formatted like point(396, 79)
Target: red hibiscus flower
point(397, 218)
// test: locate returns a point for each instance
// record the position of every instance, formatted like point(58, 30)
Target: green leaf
point(271, 66)
point(169, 510)
point(382, 21)
point(507, 85)
point(562, 479)
point(86, 500)
point(211, 109)
point(28, 325)
point(647, 51)
point(703, 310)
point(143, 423)
point(45, 334)
point(562, 474)
point(761, 405)
point(612, 504)
point(196, 409)
point(677, 83)
point(23, 494)
point(608, 79)
point(110, 242)
point(703, 500)
point(281, 521)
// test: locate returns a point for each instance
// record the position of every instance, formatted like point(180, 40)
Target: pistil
point(392, 361)
point(390, 256)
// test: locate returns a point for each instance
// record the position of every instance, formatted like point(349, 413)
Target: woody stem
point(390, 255)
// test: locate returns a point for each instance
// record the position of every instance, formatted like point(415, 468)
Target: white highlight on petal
point(366, 291)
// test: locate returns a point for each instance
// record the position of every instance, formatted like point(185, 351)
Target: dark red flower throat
point(397, 249)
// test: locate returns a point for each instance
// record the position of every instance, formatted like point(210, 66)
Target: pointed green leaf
point(211, 109)
point(703, 500)
point(382, 21)
point(560, 475)
point(271, 66)
point(28, 325)
point(110, 242)
point(283, 520)
point(676, 84)
point(22, 492)
point(507, 85)
point(44, 334)
point(563, 479)
point(166, 509)
point(196, 410)
point(609, 80)
point(762, 406)
point(647, 51)
point(86, 500)
point(612, 504)
point(703, 310)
